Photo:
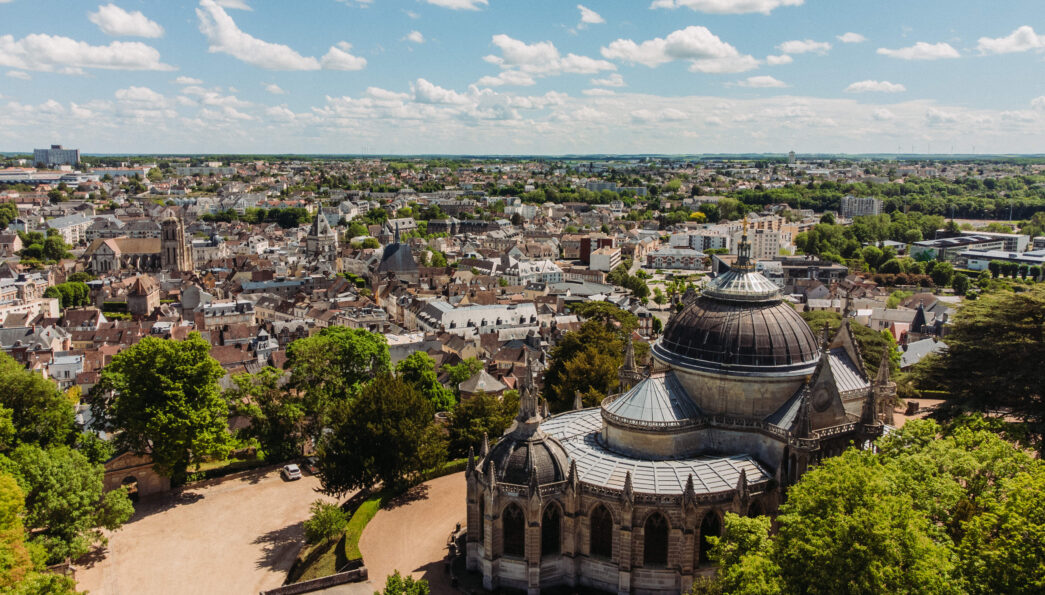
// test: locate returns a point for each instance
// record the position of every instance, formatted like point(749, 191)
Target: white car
point(290, 472)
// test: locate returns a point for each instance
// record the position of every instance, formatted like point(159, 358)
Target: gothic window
point(482, 520)
point(601, 545)
point(513, 524)
point(551, 531)
point(709, 527)
point(655, 548)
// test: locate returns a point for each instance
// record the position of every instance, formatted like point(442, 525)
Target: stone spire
point(883, 391)
point(527, 422)
point(396, 236)
point(629, 374)
point(578, 402)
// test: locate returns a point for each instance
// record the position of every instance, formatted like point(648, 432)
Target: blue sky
point(535, 77)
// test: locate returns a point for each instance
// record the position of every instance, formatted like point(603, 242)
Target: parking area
point(238, 534)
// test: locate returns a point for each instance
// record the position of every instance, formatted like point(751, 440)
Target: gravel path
point(235, 535)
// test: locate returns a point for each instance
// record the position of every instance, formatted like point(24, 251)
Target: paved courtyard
point(233, 535)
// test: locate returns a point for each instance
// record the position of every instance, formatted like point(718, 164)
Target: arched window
point(655, 550)
point(601, 545)
point(551, 531)
point(513, 524)
point(709, 527)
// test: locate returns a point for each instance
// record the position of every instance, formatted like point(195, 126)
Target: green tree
point(584, 361)
point(942, 274)
point(1002, 548)
point(995, 267)
point(396, 584)
point(847, 520)
point(331, 366)
point(21, 563)
point(39, 412)
point(275, 413)
point(744, 556)
point(993, 358)
point(327, 521)
point(418, 369)
point(960, 283)
point(8, 213)
point(478, 415)
point(458, 373)
point(65, 500)
point(162, 397)
point(386, 434)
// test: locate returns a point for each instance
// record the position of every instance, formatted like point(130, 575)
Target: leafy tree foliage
point(327, 520)
point(385, 434)
point(162, 397)
point(65, 503)
point(275, 413)
point(37, 411)
point(331, 366)
point(993, 357)
point(21, 563)
point(418, 369)
point(458, 373)
point(587, 361)
point(8, 213)
point(481, 414)
point(70, 294)
point(872, 343)
point(396, 584)
point(37, 246)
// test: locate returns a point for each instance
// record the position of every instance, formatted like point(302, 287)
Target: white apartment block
point(857, 207)
point(605, 259)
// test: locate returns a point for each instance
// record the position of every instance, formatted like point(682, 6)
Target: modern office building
point(56, 155)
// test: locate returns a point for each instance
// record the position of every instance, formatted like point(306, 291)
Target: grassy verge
point(324, 559)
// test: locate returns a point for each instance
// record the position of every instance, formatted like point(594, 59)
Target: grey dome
point(513, 459)
point(740, 321)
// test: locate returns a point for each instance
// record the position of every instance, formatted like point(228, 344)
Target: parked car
point(312, 465)
point(290, 472)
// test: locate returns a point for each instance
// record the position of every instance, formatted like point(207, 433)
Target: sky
point(523, 76)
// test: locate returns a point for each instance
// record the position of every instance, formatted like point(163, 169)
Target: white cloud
point(426, 92)
point(226, 37)
point(140, 95)
point(507, 77)
point(115, 21)
point(1038, 102)
point(19, 74)
point(882, 114)
point(54, 53)
point(726, 6)
point(922, 51)
point(542, 59)
point(460, 4)
point(1021, 40)
point(875, 87)
point(187, 80)
point(802, 46)
point(761, 82)
point(275, 89)
point(214, 97)
point(778, 60)
point(280, 113)
point(613, 80)
point(598, 92)
point(851, 37)
point(936, 117)
point(339, 58)
point(589, 16)
point(705, 51)
point(234, 4)
point(647, 116)
point(415, 37)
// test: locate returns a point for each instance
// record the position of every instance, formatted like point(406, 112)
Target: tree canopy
point(275, 413)
point(162, 397)
point(385, 434)
point(36, 411)
point(418, 370)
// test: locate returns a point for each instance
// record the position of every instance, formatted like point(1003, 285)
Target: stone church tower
point(176, 256)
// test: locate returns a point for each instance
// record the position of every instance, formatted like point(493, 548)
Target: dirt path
point(238, 535)
point(410, 535)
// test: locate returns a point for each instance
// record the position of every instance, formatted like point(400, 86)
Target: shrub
point(327, 521)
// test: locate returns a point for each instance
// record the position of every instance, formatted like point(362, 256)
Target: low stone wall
point(351, 576)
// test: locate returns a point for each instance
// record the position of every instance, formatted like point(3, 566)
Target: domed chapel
point(740, 398)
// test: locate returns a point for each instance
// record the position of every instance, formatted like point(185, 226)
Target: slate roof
point(578, 431)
